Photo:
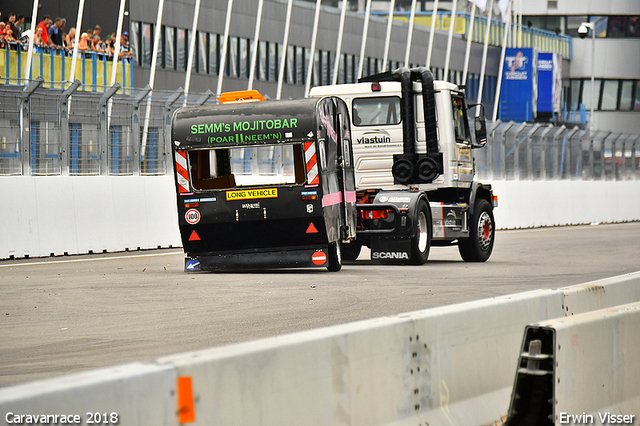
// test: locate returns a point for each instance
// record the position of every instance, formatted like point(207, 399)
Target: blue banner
point(519, 93)
point(549, 82)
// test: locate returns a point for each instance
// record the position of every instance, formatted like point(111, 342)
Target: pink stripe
point(331, 199)
point(350, 196)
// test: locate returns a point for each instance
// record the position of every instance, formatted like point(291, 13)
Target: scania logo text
point(399, 255)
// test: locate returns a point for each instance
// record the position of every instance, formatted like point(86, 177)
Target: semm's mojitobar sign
point(243, 124)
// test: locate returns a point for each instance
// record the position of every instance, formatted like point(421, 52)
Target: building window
point(300, 65)
point(586, 93)
point(601, 23)
point(245, 57)
point(147, 41)
point(214, 53)
point(626, 95)
point(273, 61)
point(575, 94)
point(291, 65)
point(263, 60)
point(169, 47)
point(181, 49)
point(609, 95)
point(350, 69)
point(134, 41)
point(317, 67)
point(160, 57)
point(573, 23)
point(202, 52)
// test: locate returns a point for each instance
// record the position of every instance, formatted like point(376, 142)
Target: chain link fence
point(54, 132)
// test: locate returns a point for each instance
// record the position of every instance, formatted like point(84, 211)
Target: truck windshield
point(383, 110)
point(224, 168)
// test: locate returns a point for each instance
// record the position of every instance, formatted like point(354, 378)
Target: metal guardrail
point(93, 69)
point(52, 132)
point(535, 151)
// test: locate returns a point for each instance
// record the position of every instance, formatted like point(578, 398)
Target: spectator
point(109, 48)
point(83, 44)
point(124, 46)
point(44, 25)
point(12, 25)
point(97, 44)
point(38, 40)
point(55, 33)
point(9, 34)
point(19, 25)
point(70, 39)
point(3, 43)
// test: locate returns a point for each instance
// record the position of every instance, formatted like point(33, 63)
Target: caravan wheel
point(335, 257)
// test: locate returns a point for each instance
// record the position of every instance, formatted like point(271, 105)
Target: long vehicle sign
point(252, 193)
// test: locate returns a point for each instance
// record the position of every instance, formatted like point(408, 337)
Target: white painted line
point(46, 262)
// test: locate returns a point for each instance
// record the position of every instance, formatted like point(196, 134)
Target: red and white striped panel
point(312, 163)
point(182, 174)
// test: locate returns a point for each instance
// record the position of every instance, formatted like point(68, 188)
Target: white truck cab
point(413, 148)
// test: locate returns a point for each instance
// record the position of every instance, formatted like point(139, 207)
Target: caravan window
point(224, 168)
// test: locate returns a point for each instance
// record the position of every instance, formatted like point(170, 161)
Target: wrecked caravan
point(264, 184)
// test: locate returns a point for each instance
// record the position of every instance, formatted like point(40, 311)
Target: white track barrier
point(450, 365)
point(586, 368)
point(40, 216)
point(446, 365)
point(137, 394)
point(57, 214)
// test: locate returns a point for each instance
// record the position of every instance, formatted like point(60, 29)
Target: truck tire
point(335, 257)
point(479, 245)
point(351, 251)
point(421, 243)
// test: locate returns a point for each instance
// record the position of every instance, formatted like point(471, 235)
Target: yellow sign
point(252, 193)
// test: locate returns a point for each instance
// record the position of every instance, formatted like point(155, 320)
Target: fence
point(93, 69)
point(48, 132)
point(534, 151)
point(53, 132)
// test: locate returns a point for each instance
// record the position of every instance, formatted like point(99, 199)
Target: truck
point(262, 184)
point(414, 168)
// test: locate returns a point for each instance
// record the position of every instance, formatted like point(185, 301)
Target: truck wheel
point(351, 251)
point(335, 257)
point(422, 241)
point(479, 245)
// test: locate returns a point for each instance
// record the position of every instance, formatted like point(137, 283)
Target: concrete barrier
point(57, 214)
point(448, 365)
point(129, 394)
point(41, 216)
point(601, 294)
point(582, 369)
point(443, 365)
point(531, 204)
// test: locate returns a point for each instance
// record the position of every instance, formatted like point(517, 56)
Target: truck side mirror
point(480, 126)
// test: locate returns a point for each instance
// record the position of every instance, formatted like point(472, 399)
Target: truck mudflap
point(298, 258)
point(390, 248)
